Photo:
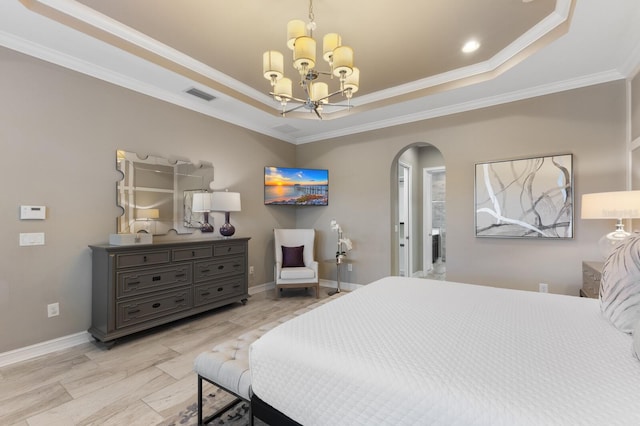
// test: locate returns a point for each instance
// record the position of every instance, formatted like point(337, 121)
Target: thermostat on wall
point(33, 212)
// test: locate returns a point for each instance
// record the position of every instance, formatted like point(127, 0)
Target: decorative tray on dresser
point(137, 287)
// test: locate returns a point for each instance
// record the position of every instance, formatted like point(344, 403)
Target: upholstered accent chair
point(295, 266)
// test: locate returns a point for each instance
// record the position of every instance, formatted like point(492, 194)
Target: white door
point(427, 221)
point(404, 217)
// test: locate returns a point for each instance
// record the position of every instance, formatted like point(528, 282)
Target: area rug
point(237, 415)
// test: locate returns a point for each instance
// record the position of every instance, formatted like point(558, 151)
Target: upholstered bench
point(226, 365)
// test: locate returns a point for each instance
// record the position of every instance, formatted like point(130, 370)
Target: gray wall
point(59, 131)
point(588, 123)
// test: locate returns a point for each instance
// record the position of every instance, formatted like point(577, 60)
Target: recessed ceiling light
point(471, 46)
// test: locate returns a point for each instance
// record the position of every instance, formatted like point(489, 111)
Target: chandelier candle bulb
point(304, 54)
point(329, 43)
point(295, 29)
point(273, 66)
point(342, 61)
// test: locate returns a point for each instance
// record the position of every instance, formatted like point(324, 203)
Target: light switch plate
point(32, 239)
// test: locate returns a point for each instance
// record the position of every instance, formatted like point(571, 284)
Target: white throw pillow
point(620, 285)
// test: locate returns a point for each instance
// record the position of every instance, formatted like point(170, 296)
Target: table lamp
point(226, 202)
point(202, 204)
point(149, 216)
point(616, 205)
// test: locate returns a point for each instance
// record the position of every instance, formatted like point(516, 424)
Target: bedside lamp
point(202, 204)
point(226, 202)
point(149, 216)
point(616, 205)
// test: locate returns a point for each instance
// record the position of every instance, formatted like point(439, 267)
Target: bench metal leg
point(218, 413)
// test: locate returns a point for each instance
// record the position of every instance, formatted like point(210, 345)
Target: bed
point(408, 351)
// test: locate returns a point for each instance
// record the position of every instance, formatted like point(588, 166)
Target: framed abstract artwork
point(525, 198)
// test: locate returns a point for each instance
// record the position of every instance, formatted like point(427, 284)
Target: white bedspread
point(405, 351)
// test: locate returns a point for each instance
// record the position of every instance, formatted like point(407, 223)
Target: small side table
point(338, 263)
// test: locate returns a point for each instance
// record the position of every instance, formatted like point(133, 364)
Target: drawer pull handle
point(156, 278)
point(144, 259)
point(236, 286)
point(155, 305)
point(133, 283)
point(135, 311)
point(204, 271)
point(237, 265)
point(180, 300)
point(180, 275)
point(193, 253)
point(228, 249)
point(206, 293)
point(220, 288)
point(220, 268)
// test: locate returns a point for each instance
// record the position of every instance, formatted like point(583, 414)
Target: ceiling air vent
point(200, 94)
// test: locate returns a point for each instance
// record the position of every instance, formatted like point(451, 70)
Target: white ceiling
point(407, 51)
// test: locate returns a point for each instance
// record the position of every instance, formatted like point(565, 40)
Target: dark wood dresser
point(137, 287)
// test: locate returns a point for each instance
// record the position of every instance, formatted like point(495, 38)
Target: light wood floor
point(145, 380)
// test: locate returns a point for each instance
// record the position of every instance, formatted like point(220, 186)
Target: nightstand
point(591, 276)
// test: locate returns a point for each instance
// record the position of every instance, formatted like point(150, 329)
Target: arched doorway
point(418, 212)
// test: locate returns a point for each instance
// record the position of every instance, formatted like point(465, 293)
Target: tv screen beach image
point(296, 186)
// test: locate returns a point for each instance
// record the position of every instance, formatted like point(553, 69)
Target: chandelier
point(316, 93)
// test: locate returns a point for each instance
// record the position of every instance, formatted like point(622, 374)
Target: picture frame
point(525, 198)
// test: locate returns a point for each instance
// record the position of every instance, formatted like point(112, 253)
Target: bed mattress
point(408, 351)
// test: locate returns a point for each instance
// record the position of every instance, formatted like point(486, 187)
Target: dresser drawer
point(141, 281)
point(208, 293)
point(205, 271)
point(227, 249)
point(139, 310)
point(192, 253)
point(126, 260)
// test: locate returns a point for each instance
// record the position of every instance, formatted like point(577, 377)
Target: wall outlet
point(543, 288)
point(53, 310)
point(349, 267)
point(251, 270)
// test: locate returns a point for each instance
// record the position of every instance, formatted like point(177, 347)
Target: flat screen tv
point(286, 186)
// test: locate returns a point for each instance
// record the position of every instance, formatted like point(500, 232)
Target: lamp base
point(227, 230)
point(609, 242)
point(206, 227)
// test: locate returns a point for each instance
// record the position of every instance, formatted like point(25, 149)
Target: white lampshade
point(272, 65)
point(295, 29)
point(225, 201)
point(201, 202)
point(283, 88)
point(611, 205)
point(304, 53)
point(329, 43)
point(353, 81)
point(319, 92)
point(342, 61)
point(147, 214)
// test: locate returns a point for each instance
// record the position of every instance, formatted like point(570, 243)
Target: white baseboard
point(262, 287)
point(43, 348)
point(343, 285)
point(65, 342)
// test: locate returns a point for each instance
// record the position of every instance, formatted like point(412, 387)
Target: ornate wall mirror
point(155, 193)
